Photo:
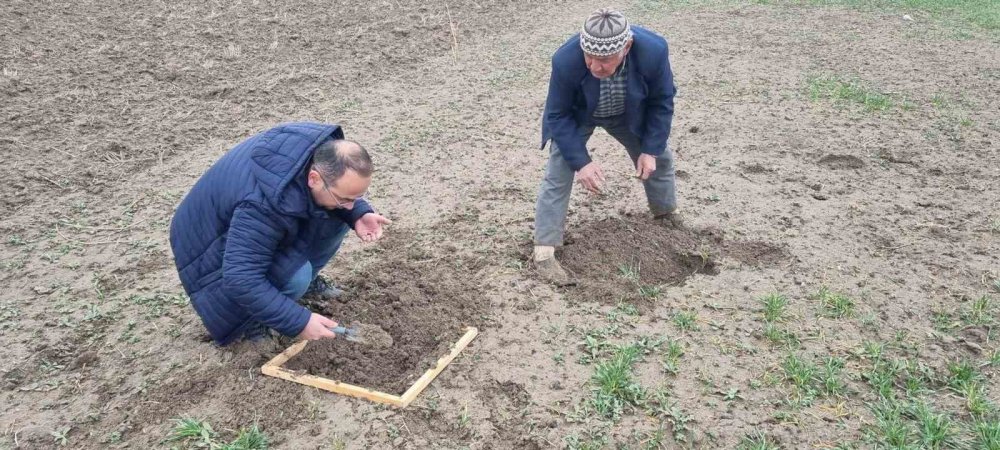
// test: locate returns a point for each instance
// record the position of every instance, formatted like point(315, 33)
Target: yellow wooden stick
point(425, 379)
point(273, 369)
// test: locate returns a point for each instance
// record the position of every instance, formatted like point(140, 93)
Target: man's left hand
point(369, 226)
point(645, 166)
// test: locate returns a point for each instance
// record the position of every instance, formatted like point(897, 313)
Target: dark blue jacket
point(245, 229)
point(574, 92)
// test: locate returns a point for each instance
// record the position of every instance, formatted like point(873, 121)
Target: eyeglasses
point(340, 202)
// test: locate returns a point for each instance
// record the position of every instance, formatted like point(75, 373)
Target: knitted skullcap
point(605, 32)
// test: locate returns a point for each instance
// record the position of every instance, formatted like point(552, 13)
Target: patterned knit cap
point(605, 33)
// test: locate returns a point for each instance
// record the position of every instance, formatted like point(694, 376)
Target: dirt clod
point(86, 359)
point(373, 335)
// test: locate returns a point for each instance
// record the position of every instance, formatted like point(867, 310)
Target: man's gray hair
point(333, 158)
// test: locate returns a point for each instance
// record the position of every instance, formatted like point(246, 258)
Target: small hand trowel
point(366, 334)
point(351, 334)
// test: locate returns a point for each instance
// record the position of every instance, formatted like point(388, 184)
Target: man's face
point(339, 194)
point(604, 66)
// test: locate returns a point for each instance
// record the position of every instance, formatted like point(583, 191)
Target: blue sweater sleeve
point(349, 216)
point(254, 234)
point(559, 116)
point(659, 108)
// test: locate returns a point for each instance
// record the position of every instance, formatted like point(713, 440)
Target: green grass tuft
point(671, 357)
point(829, 376)
point(882, 378)
point(616, 390)
point(650, 292)
point(801, 374)
point(779, 336)
point(195, 433)
point(249, 439)
point(994, 359)
point(890, 428)
point(980, 312)
point(988, 435)
point(936, 430)
point(595, 441)
point(848, 91)
point(774, 307)
point(835, 304)
point(629, 272)
point(757, 440)
point(976, 400)
point(686, 320)
point(961, 374)
point(190, 429)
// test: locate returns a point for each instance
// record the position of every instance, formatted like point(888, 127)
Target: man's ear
point(314, 180)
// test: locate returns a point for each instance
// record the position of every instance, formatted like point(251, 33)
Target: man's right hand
point(318, 328)
point(591, 177)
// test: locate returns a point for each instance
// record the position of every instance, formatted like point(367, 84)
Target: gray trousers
point(554, 193)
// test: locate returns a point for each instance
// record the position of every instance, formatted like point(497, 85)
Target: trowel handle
point(340, 330)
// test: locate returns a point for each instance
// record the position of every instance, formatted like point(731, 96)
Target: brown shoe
point(550, 270)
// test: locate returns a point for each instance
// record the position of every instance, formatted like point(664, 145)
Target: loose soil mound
point(614, 257)
point(423, 302)
point(373, 335)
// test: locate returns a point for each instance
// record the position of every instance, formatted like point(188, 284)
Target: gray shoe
point(550, 270)
point(670, 220)
point(325, 290)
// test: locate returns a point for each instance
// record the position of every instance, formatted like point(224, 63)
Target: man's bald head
point(335, 157)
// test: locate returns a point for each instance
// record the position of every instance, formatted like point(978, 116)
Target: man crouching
point(251, 236)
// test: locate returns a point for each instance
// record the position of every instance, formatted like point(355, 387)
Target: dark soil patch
point(841, 162)
point(756, 168)
point(424, 301)
point(620, 257)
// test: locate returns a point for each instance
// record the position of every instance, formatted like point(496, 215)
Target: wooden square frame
point(273, 368)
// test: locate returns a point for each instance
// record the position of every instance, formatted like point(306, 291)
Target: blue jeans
point(554, 193)
point(323, 250)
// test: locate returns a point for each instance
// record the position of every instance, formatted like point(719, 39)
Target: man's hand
point(645, 166)
point(369, 226)
point(318, 328)
point(591, 177)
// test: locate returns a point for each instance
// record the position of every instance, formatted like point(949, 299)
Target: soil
point(605, 254)
point(423, 302)
point(109, 113)
point(372, 335)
